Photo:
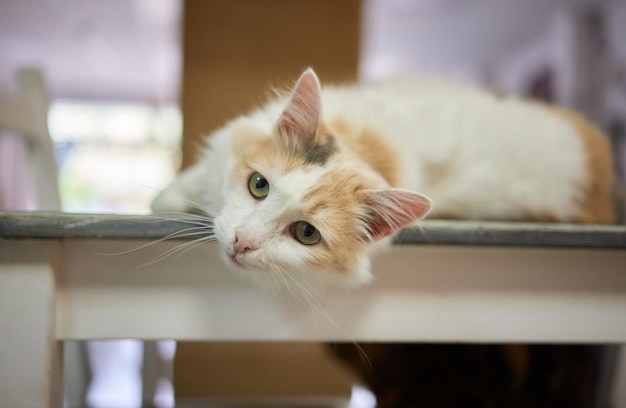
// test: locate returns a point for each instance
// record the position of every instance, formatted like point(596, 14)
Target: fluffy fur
point(358, 163)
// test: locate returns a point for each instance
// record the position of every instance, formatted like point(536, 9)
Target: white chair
point(33, 176)
point(26, 115)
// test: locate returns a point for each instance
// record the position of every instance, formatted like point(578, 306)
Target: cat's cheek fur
point(280, 254)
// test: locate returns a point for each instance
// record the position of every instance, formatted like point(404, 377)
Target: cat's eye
point(258, 185)
point(305, 233)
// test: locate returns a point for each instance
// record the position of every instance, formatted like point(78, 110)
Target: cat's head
point(297, 202)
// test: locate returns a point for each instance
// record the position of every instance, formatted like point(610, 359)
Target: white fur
point(470, 151)
point(473, 153)
point(476, 155)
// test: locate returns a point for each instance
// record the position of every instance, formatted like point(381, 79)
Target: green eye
point(305, 233)
point(259, 186)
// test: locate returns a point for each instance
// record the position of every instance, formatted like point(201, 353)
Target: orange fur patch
point(372, 148)
point(333, 207)
point(597, 205)
point(267, 153)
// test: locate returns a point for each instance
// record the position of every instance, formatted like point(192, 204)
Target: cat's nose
point(243, 244)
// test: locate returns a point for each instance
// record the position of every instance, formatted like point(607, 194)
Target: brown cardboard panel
point(257, 370)
point(235, 50)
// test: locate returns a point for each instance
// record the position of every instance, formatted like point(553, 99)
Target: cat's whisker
point(268, 280)
point(176, 249)
point(424, 231)
point(394, 249)
point(182, 247)
point(307, 291)
point(271, 282)
point(200, 230)
point(289, 293)
point(318, 308)
point(301, 290)
point(180, 217)
point(188, 232)
point(201, 207)
point(196, 243)
point(310, 291)
point(162, 256)
point(283, 293)
point(196, 227)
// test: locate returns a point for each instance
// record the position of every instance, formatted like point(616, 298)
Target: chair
point(26, 115)
point(31, 183)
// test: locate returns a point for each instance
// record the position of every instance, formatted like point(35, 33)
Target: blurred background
point(112, 74)
point(119, 73)
point(123, 91)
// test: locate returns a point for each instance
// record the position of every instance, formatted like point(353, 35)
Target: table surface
point(54, 225)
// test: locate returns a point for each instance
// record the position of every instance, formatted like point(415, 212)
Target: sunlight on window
point(114, 157)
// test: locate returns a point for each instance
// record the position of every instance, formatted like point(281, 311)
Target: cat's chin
point(311, 278)
point(233, 263)
point(233, 259)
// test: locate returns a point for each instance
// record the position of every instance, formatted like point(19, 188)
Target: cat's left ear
point(298, 122)
point(388, 210)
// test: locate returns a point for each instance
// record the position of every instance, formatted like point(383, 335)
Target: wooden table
point(81, 277)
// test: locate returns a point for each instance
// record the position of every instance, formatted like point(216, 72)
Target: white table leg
point(30, 355)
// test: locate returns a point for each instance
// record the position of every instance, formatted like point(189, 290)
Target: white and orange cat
point(310, 183)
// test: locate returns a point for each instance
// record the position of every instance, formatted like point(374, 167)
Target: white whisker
point(307, 291)
point(195, 243)
point(276, 286)
point(302, 291)
point(271, 282)
point(184, 247)
point(201, 207)
point(362, 354)
point(180, 217)
point(172, 236)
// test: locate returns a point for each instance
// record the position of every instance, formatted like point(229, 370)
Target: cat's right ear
point(297, 125)
point(388, 210)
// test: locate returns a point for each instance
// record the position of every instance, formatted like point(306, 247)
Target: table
point(86, 276)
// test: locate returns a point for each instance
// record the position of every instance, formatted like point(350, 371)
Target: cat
point(312, 182)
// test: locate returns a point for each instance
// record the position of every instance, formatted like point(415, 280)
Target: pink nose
point(243, 244)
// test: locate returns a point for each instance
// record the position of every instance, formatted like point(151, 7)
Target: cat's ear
point(298, 122)
point(388, 210)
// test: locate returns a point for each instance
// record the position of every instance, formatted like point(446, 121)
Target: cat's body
point(304, 188)
point(346, 159)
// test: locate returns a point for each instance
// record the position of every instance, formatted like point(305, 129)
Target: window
point(113, 158)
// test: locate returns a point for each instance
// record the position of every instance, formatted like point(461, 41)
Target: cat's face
point(295, 203)
point(284, 215)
